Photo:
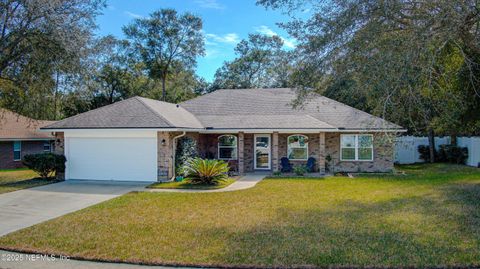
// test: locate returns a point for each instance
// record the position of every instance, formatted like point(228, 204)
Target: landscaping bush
point(45, 164)
point(425, 153)
point(300, 170)
point(446, 153)
point(453, 154)
point(205, 171)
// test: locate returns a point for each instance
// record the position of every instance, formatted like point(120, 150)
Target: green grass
point(187, 184)
point(429, 217)
point(17, 179)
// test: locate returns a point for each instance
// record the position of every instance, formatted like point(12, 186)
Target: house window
point(47, 147)
point(297, 147)
point(17, 150)
point(356, 147)
point(227, 147)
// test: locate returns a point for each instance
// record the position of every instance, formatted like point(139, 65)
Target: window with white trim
point(47, 147)
point(227, 147)
point(297, 147)
point(17, 150)
point(355, 147)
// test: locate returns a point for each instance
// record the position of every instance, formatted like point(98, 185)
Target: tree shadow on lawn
point(434, 230)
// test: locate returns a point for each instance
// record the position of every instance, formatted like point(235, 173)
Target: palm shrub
point(205, 171)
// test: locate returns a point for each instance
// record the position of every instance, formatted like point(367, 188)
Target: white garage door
point(112, 158)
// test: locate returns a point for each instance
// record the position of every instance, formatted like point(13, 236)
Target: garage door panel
point(129, 159)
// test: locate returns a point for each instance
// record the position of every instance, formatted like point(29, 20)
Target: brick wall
point(383, 148)
point(313, 148)
point(6, 152)
point(208, 148)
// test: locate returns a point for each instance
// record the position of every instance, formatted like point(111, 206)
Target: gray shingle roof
point(136, 112)
point(228, 109)
point(267, 107)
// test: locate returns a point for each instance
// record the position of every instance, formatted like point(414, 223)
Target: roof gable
point(135, 112)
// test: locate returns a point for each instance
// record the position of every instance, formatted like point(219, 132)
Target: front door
point(262, 152)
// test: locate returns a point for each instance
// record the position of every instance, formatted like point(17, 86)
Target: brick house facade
point(20, 136)
point(136, 139)
point(320, 145)
point(7, 160)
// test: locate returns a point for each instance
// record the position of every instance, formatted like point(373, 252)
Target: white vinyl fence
point(406, 148)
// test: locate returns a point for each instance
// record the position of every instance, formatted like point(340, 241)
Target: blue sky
point(225, 23)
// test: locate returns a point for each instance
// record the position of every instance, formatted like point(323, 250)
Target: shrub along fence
point(406, 148)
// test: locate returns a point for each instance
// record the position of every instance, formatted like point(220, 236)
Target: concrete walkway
point(24, 208)
point(244, 182)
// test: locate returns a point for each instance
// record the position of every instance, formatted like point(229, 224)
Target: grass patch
point(187, 184)
point(429, 217)
point(17, 179)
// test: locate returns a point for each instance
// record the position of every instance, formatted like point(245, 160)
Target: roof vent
point(178, 105)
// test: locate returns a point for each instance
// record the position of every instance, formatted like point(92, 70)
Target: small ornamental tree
point(45, 164)
point(186, 150)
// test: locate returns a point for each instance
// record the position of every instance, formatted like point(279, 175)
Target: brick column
point(59, 148)
point(275, 166)
point(321, 153)
point(164, 156)
point(241, 153)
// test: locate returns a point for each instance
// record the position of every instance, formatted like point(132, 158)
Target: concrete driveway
point(24, 208)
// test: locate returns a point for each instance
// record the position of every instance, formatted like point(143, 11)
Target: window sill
point(353, 161)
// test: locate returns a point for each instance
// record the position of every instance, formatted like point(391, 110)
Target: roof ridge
point(310, 116)
point(139, 98)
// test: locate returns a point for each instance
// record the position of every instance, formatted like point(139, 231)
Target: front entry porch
point(262, 152)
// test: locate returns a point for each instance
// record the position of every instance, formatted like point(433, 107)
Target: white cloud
point(265, 30)
point(133, 15)
point(230, 38)
point(213, 4)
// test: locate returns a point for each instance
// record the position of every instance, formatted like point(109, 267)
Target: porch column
point(275, 152)
point(164, 156)
point(241, 161)
point(321, 153)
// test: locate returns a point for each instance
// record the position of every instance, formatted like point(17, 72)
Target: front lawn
point(187, 184)
point(429, 217)
point(17, 179)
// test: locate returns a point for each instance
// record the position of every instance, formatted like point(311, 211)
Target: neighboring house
point(19, 136)
point(251, 128)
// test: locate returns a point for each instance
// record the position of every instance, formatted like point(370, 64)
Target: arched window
point(297, 147)
point(227, 147)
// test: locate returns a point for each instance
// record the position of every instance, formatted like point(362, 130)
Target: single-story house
point(253, 129)
point(20, 136)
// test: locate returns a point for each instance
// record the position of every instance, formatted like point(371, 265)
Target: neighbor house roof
point(229, 109)
point(14, 126)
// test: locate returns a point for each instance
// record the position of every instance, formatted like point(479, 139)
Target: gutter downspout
point(175, 152)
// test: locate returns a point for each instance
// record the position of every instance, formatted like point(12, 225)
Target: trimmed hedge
point(45, 164)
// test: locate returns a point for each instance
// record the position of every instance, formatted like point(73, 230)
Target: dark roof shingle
point(228, 109)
